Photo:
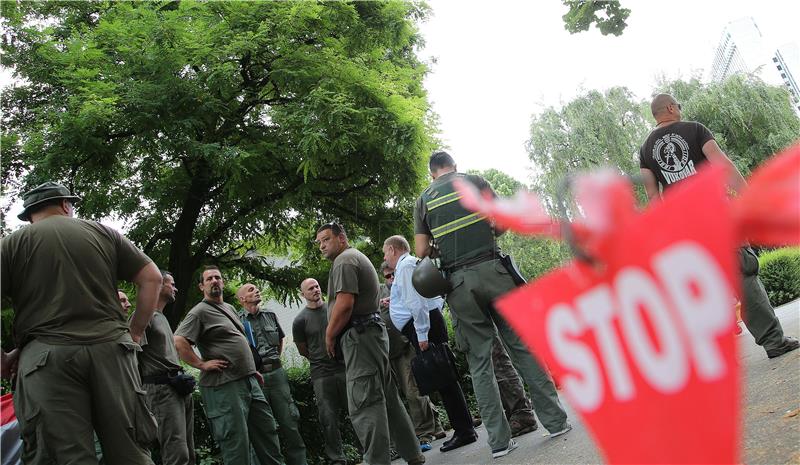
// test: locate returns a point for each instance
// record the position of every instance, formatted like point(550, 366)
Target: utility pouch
point(182, 383)
point(508, 263)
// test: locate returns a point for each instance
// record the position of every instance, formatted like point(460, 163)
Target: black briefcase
point(434, 368)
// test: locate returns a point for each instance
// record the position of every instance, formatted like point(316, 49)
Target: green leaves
point(582, 13)
point(209, 126)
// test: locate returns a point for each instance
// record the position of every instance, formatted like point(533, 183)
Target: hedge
point(780, 273)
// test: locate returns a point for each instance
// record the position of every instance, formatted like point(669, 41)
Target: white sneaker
point(567, 429)
point(497, 453)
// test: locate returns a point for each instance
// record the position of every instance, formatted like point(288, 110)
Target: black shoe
point(440, 435)
point(458, 441)
point(789, 344)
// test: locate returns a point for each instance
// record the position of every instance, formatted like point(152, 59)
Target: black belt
point(162, 378)
point(270, 365)
point(364, 319)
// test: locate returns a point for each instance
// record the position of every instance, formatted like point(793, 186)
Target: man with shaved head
point(327, 374)
point(673, 151)
point(266, 335)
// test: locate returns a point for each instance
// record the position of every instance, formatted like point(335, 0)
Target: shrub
point(780, 273)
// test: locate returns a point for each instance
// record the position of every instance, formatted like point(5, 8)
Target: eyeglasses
point(388, 276)
point(678, 105)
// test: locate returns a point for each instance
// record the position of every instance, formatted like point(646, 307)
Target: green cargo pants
point(175, 417)
point(757, 312)
point(65, 392)
point(330, 393)
point(240, 418)
point(279, 396)
point(376, 411)
point(474, 321)
point(420, 408)
point(512, 392)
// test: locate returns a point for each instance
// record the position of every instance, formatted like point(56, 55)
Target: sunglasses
point(388, 276)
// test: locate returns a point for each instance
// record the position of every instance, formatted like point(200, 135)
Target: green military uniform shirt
point(218, 337)
point(81, 306)
point(267, 333)
point(462, 237)
point(353, 273)
point(309, 327)
point(158, 355)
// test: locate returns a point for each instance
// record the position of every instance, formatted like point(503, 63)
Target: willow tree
point(209, 127)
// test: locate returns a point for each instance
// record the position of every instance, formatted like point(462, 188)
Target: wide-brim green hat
point(42, 193)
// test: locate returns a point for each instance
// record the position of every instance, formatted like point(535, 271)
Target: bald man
point(266, 335)
point(673, 151)
point(327, 374)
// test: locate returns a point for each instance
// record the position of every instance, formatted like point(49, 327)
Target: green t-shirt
point(158, 355)
point(309, 327)
point(61, 274)
point(218, 338)
point(353, 273)
point(398, 344)
point(267, 332)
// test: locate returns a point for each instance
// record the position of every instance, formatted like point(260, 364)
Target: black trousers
point(452, 396)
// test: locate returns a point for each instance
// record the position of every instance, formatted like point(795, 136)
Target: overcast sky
point(500, 62)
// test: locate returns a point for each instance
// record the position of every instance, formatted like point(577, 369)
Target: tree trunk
point(182, 262)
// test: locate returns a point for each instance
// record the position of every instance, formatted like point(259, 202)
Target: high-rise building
point(742, 49)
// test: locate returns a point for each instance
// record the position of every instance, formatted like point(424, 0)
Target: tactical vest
point(462, 237)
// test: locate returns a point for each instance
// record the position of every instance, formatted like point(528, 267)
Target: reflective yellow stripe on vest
point(443, 200)
point(454, 226)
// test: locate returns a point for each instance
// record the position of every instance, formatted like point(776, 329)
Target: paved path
point(771, 437)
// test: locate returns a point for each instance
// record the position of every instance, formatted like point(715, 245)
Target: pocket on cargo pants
point(364, 390)
point(144, 423)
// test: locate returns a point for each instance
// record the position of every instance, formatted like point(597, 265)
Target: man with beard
point(229, 383)
point(124, 302)
point(158, 362)
point(373, 402)
point(327, 374)
point(266, 335)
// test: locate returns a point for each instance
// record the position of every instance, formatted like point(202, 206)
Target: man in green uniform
point(373, 402)
point(469, 255)
point(229, 383)
point(401, 352)
point(158, 361)
point(266, 335)
point(124, 302)
point(327, 374)
point(77, 362)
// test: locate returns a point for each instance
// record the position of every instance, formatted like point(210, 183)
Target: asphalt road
point(771, 433)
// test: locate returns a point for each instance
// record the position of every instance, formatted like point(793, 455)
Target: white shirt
point(406, 304)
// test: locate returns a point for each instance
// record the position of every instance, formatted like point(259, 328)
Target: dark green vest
point(462, 237)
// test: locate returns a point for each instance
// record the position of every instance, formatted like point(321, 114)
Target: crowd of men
point(86, 370)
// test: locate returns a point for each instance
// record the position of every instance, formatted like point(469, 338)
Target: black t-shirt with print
point(674, 152)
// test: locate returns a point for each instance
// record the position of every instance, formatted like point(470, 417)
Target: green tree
point(582, 13)
point(750, 119)
point(534, 256)
point(593, 130)
point(213, 128)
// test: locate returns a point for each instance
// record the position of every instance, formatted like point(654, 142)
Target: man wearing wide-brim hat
point(76, 366)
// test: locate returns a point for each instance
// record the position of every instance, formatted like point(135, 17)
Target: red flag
point(644, 347)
